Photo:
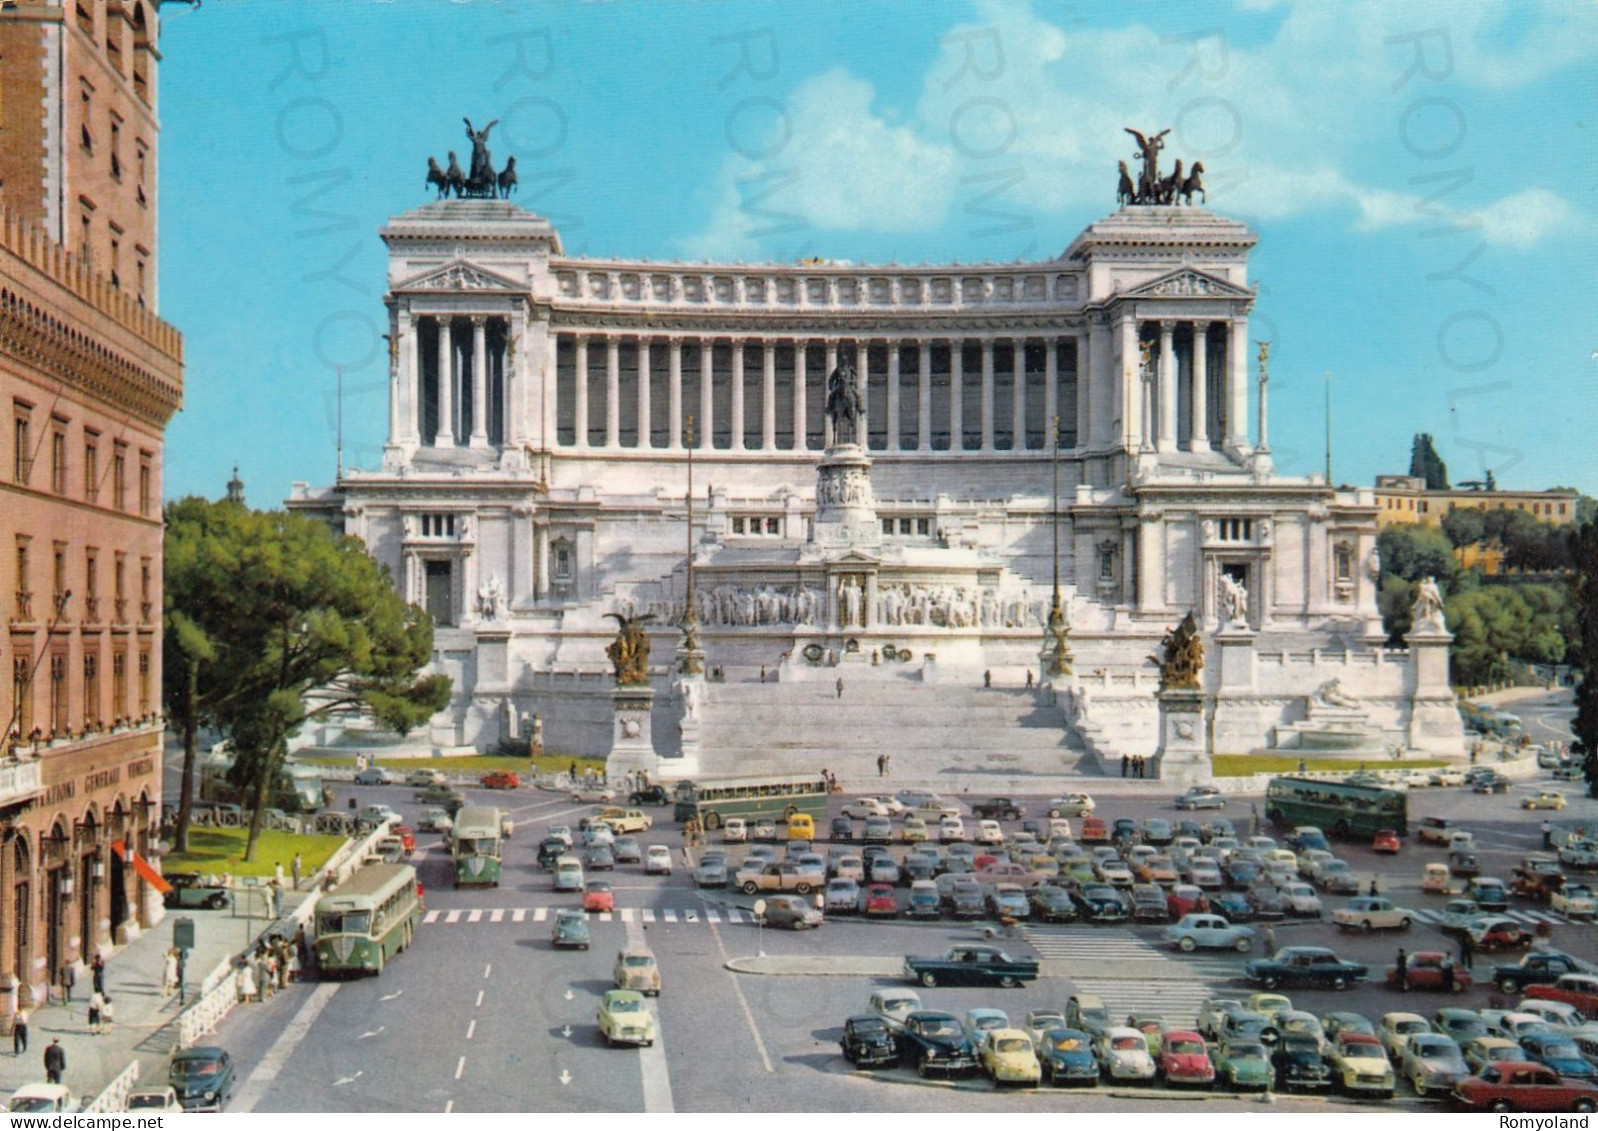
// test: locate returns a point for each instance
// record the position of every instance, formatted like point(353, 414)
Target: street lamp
point(690, 656)
point(1059, 652)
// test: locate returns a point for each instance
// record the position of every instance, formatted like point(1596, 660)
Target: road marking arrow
point(342, 1080)
point(566, 1031)
point(377, 1032)
point(392, 996)
point(570, 995)
point(565, 1076)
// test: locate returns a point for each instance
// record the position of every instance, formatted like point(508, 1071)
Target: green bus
point(712, 802)
point(367, 920)
point(1342, 810)
point(474, 846)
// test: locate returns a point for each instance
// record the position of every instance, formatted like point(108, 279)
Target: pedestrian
point(887, 763)
point(55, 1061)
point(882, 765)
point(169, 973)
point(1467, 952)
point(69, 978)
point(245, 982)
point(1303, 766)
point(1548, 833)
point(571, 771)
point(96, 1004)
point(1401, 970)
point(987, 678)
point(183, 959)
point(293, 963)
point(19, 1032)
point(1029, 678)
point(278, 874)
point(1270, 942)
point(1373, 885)
point(297, 867)
point(1450, 974)
point(97, 968)
point(840, 687)
point(107, 1016)
point(274, 895)
point(1126, 764)
point(762, 673)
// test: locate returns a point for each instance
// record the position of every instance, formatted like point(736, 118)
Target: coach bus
point(367, 920)
point(711, 803)
point(475, 847)
point(1340, 809)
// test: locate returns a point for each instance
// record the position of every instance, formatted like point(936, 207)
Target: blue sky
point(1423, 177)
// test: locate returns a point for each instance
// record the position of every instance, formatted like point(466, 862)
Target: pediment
point(1188, 282)
point(460, 275)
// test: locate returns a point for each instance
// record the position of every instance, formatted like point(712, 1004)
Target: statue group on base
point(1184, 657)
point(482, 183)
point(1151, 188)
point(629, 652)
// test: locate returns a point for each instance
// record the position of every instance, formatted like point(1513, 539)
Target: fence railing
point(114, 1096)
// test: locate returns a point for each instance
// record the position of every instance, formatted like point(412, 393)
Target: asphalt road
point(483, 1015)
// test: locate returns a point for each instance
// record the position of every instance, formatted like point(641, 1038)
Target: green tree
point(1464, 526)
point(301, 623)
point(1414, 552)
point(1584, 552)
point(1496, 624)
point(186, 651)
point(1425, 463)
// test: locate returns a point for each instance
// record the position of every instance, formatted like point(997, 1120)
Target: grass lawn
point(476, 763)
point(1242, 765)
point(222, 850)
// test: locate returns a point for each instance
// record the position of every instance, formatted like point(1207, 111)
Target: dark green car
point(202, 1078)
point(189, 891)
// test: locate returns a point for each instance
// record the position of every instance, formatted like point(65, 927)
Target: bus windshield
point(344, 923)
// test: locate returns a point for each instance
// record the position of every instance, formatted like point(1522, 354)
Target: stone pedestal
point(690, 690)
point(1238, 710)
point(846, 512)
point(1434, 724)
point(632, 744)
point(1183, 756)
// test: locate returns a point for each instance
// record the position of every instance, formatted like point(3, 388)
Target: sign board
point(759, 909)
point(183, 934)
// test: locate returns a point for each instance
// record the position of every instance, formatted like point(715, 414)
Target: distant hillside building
point(1405, 499)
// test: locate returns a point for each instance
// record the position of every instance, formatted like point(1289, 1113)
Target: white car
point(1373, 913)
point(1070, 805)
point(657, 860)
point(42, 1098)
point(1448, 777)
point(561, 832)
point(1397, 1028)
point(377, 814)
point(951, 828)
point(862, 807)
point(734, 831)
point(153, 1099)
point(988, 832)
point(1300, 899)
point(893, 1006)
point(1123, 1054)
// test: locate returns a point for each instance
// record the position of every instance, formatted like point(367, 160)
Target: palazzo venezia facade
point(542, 409)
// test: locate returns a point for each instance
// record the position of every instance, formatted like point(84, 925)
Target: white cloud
point(1284, 127)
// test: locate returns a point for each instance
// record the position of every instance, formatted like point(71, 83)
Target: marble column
point(862, 370)
point(705, 427)
point(612, 391)
point(396, 381)
point(924, 396)
point(768, 396)
point(519, 589)
point(893, 395)
point(868, 614)
point(445, 437)
point(1237, 384)
point(674, 394)
point(580, 392)
point(737, 394)
point(830, 364)
point(541, 562)
point(1201, 388)
point(479, 436)
point(956, 394)
point(1018, 406)
point(1091, 393)
point(410, 377)
point(516, 354)
point(987, 394)
point(1051, 393)
point(1129, 382)
point(801, 442)
point(645, 409)
point(1165, 440)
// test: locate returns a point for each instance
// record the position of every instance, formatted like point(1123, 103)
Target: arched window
point(141, 53)
point(113, 41)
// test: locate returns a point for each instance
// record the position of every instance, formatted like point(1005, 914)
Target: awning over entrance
point(141, 866)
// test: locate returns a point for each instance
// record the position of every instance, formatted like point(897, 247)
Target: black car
point(935, 1042)
point(1100, 903)
point(998, 809)
point(1053, 905)
point(551, 849)
point(842, 828)
point(202, 1078)
point(1299, 1063)
point(1234, 905)
point(1493, 782)
point(599, 857)
point(1314, 967)
point(1267, 902)
point(650, 795)
point(867, 1043)
point(188, 890)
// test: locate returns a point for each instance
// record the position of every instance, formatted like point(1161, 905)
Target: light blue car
point(1212, 932)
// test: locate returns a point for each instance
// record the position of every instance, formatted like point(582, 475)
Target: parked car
point(501, 779)
point(1202, 797)
point(868, 1042)
point(935, 1043)
point(1432, 1063)
point(1300, 1064)
point(144, 1100)
point(1184, 1060)
point(1373, 913)
point(1431, 970)
point(1397, 1028)
point(1123, 1054)
point(1007, 1056)
point(1360, 1065)
point(1210, 932)
point(44, 1098)
point(1310, 966)
point(881, 900)
point(792, 912)
point(1067, 1057)
point(894, 1006)
point(1243, 1065)
point(1522, 1086)
point(375, 775)
point(1053, 904)
point(190, 891)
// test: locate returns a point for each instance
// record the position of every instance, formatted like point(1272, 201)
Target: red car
point(1185, 899)
point(1512, 1085)
point(1184, 1060)
point(500, 779)
point(597, 896)
point(407, 837)
point(1094, 831)
point(1427, 971)
point(1387, 841)
point(880, 900)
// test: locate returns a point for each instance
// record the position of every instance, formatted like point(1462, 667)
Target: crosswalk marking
point(711, 916)
point(684, 915)
point(540, 915)
point(1530, 917)
point(648, 915)
point(733, 916)
point(669, 915)
point(431, 916)
point(475, 915)
point(518, 915)
point(605, 916)
point(690, 916)
point(496, 915)
point(626, 914)
point(453, 917)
